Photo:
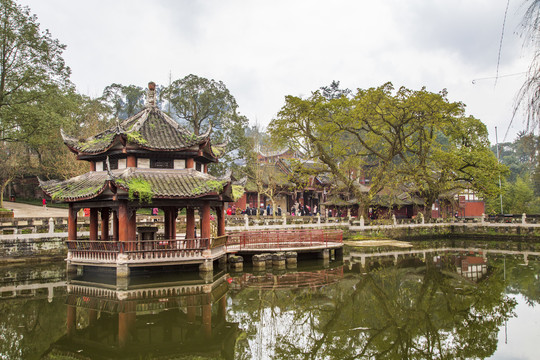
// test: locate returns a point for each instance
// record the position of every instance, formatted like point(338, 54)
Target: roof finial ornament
point(151, 95)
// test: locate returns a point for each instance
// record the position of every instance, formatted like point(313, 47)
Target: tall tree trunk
point(258, 202)
point(2, 189)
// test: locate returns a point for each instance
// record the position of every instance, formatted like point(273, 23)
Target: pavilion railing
point(284, 239)
point(138, 250)
point(105, 251)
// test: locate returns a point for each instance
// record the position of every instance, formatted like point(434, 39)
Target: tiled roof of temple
point(149, 129)
point(163, 184)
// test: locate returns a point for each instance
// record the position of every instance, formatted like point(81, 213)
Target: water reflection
point(146, 319)
point(423, 304)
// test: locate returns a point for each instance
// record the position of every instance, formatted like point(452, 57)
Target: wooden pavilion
point(148, 160)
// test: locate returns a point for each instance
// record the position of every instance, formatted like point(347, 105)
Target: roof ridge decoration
point(151, 95)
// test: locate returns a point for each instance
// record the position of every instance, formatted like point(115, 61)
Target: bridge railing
point(284, 239)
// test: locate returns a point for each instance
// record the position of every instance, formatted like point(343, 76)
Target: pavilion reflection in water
point(147, 320)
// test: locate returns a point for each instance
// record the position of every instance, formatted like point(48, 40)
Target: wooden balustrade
point(284, 239)
point(137, 251)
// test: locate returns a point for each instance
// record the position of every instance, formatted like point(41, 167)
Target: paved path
point(25, 210)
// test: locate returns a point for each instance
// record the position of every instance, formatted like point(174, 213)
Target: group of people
point(296, 210)
point(303, 210)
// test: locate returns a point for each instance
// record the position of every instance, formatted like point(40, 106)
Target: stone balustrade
point(58, 225)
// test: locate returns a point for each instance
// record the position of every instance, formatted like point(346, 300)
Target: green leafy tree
point(125, 101)
point(405, 137)
point(31, 70)
point(199, 103)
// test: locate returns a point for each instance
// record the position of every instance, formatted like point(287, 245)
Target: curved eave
point(53, 190)
point(80, 152)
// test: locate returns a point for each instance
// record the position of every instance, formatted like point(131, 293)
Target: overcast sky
point(265, 50)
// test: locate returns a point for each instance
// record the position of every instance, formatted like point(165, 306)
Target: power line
point(474, 81)
point(501, 42)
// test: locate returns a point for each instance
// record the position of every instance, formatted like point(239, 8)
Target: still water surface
point(440, 303)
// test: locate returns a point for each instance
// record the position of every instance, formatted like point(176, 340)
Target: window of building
point(198, 166)
point(161, 163)
point(143, 163)
point(113, 163)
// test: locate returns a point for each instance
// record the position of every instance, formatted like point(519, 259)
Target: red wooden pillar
point(223, 308)
point(220, 221)
point(191, 309)
point(105, 214)
point(71, 320)
point(123, 329)
point(122, 221)
point(190, 164)
point(206, 168)
point(92, 165)
point(72, 223)
point(132, 230)
point(190, 223)
point(207, 320)
point(172, 226)
point(205, 221)
point(115, 225)
point(166, 223)
point(131, 161)
point(93, 224)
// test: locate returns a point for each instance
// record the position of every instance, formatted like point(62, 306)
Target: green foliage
point(237, 192)
point(139, 189)
point(31, 70)
point(399, 138)
point(125, 101)
point(199, 103)
point(518, 198)
point(521, 189)
point(210, 186)
point(136, 137)
point(96, 141)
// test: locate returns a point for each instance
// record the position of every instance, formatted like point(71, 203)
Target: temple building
point(147, 160)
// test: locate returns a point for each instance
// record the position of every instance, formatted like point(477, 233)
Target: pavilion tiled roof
point(164, 184)
point(150, 129)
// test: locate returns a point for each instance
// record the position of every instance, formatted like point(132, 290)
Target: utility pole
point(170, 82)
point(498, 161)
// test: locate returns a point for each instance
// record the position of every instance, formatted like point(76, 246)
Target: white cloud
point(264, 50)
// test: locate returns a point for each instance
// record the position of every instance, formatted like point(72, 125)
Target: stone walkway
point(25, 210)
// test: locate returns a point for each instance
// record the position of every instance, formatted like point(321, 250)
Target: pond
point(428, 302)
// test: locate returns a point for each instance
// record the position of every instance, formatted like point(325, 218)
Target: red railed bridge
point(148, 253)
